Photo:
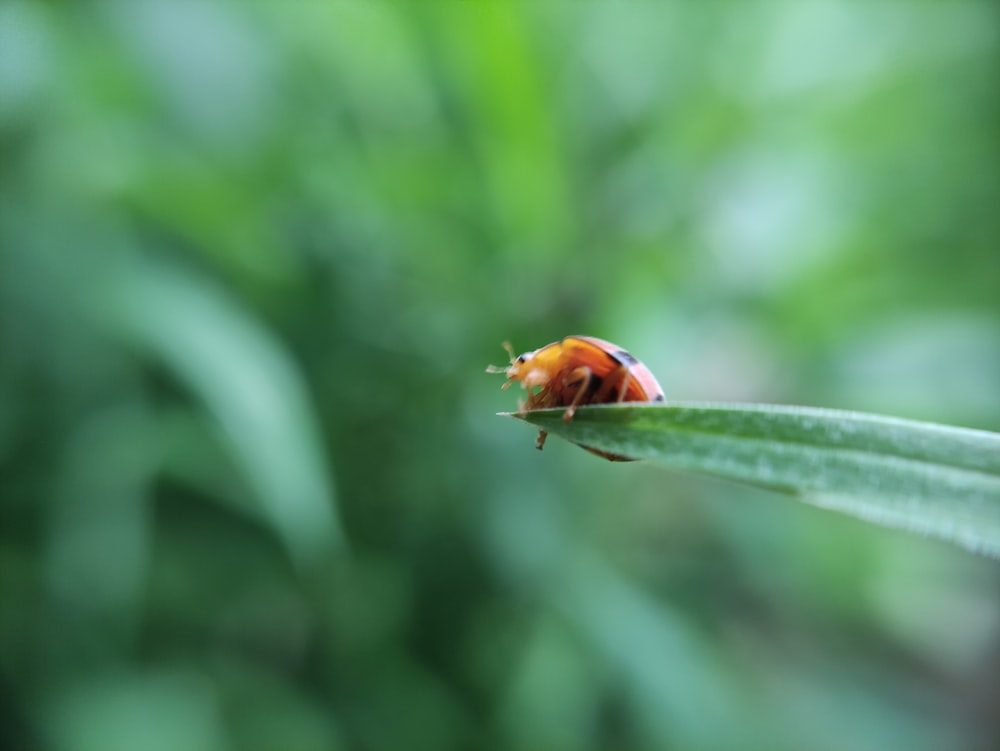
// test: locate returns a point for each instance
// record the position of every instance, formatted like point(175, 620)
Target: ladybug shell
point(603, 357)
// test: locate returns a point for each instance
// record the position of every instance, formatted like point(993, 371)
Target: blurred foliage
point(254, 258)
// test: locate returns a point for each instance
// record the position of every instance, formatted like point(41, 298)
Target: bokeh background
point(254, 258)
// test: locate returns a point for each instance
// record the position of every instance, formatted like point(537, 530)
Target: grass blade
point(926, 478)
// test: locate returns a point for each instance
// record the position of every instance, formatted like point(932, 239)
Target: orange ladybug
point(579, 370)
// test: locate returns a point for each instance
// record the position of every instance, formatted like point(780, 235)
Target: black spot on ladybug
point(623, 357)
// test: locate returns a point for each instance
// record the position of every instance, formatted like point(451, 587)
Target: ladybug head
point(514, 371)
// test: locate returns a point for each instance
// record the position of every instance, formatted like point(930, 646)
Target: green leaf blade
point(930, 479)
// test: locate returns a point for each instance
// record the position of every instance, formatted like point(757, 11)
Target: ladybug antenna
point(503, 368)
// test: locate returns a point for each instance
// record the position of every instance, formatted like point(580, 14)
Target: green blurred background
point(254, 258)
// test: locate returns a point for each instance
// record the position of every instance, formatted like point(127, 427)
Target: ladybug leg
point(623, 389)
point(542, 435)
point(583, 375)
point(623, 376)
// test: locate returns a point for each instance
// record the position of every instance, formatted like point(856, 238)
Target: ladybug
point(579, 370)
